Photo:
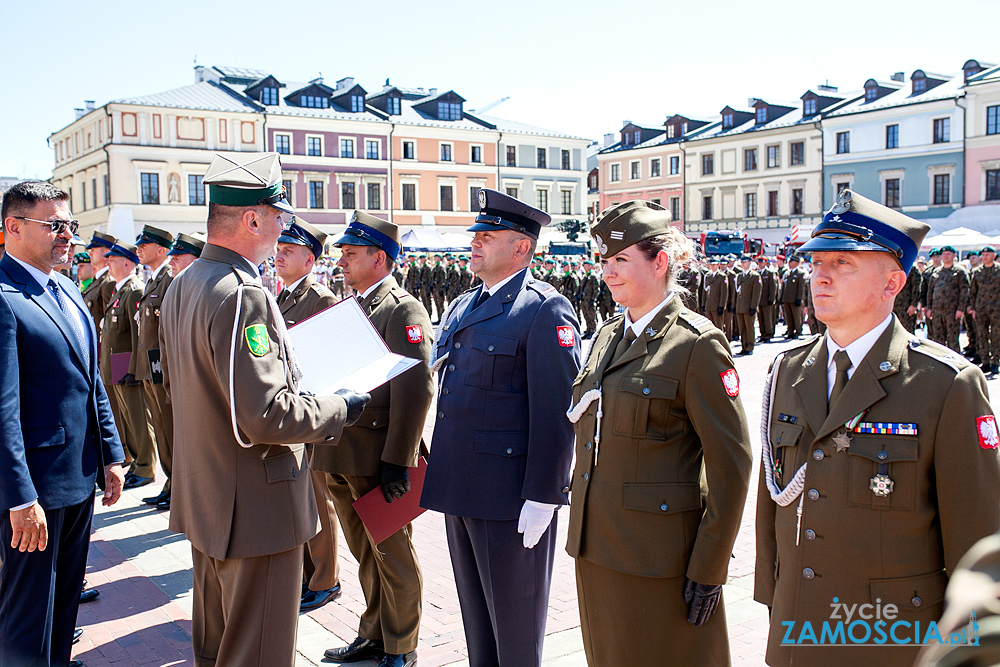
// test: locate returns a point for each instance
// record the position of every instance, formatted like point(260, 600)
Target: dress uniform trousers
point(766, 320)
point(161, 414)
point(728, 324)
point(748, 332)
point(988, 338)
point(138, 435)
point(389, 572)
point(320, 565)
point(484, 551)
point(716, 319)
point(236, 624)
point(793, 319)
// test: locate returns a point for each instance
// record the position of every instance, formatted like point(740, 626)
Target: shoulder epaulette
point(939, 352)
point(611, 320)
point(537, 285)
point(701, 323)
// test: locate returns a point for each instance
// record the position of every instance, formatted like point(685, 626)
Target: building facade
point(982, 139)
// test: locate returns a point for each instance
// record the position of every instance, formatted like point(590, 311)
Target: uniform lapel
point(495, 304)
point(811, 384)
point(663, 320)
point(370, 302)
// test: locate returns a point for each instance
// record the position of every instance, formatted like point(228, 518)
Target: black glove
point(129, 381)
point(355, 404)
point(798, 303)
point(732, 309)
point(395, 481)
point(753, 311)
point(702, 599)
point(721, 310)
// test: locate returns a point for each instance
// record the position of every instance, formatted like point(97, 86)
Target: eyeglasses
point(58, 226)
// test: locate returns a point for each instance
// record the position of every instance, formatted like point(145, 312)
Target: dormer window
point(919, 82)
point(684, 128)
point(637, 137)
point(626, 138)
point(269, 96)
point(971, 68)
point(809, 106)
point(393, 106)
point(357, 103)
point(727, 121)
point(670, 131)
point(314, 102)
point(761, 115)
point(871, 93)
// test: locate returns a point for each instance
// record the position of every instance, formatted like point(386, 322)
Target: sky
point(580, 66)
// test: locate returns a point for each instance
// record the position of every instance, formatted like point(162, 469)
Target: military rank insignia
point(881, 485)
point(257, 339)
point(731, 382)
point(414, 334)
point(565, 336)
point(987, 428)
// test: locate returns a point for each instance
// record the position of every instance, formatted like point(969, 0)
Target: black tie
point(73, 318)
point(624, 344)
point(840, 380)
point(282, 296)
point(481, 299)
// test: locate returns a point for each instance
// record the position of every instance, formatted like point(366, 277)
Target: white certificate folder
point(338, 348)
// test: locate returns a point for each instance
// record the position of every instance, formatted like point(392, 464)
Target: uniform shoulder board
point(541, 286)
point(321, 289)
point(399, 293)
point(245, 278)
point(939, 353)
point(696, 320)
point(614, 319)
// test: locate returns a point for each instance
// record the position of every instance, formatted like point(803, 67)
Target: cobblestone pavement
point(143, 571)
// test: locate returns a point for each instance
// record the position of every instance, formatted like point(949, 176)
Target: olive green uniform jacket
point(309, 297)
point(96, 296)
point(120, 332)
point(149, 321)
point(854, 545)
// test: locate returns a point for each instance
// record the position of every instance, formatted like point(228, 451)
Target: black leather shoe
point(316, 599)
point(135, 482)
point(155, 500)
point(403, 660)
point(359, 649)
point(89, 595)
point(76, 663)
point(163, 504)
point(77, 634)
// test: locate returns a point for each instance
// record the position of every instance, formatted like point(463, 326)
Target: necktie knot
point(843, 363)
point(282, 296)
point(484, 294)
point(842, 360)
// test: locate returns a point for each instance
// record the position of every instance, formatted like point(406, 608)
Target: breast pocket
point(784, 439)
point(491, 365)
point(643, 409)
point(899, 454)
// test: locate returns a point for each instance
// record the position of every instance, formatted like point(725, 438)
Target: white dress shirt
point(856, 351)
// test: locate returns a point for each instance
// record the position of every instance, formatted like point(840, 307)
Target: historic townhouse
point(982, 140)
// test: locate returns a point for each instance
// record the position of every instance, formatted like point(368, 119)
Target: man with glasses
point(57, 437)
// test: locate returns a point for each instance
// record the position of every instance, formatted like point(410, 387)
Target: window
point(675, 208)
point(871, 94)
point(993, 185)
point(892, 192)
point(408, 152)
point(634, 171)
point(798, 151)
point(993, 120)
point(750, 204)
point(107, 190)
point(314, 146)
point(616, 173)
point(473, 197)
point(447, 198)
point(675, 165)
point(446, 154)
point(374, 196)
point(541, 158)
point(449, 111)
point(542, 200)
point(371, 149)
point(706, 207)
point(892, 136)
point(772, 202)
point(809, 107)
point(392, 106)
point(315, 194)
point(357, 103)
point(567, 201)
point(707, 164)
point(347, 199)
point(761, 115)
point(347, 148)
point(750, 159)
point(727, 121)
point(773, 157)
point(843, 142)
point(511, 156)
point(93, 192)
point(656, 200)
point(269, 96)
point(919, 85)
point(512, 192)
point(565, 160)
point(409, 196)
point(796, 201)
point(287, 185)
point(150, 188)
point(942, 130)
point(942, 188)
point(196, 190)
point(670, 131)
point(476, 154)
point(654, 167)
point(314, 102)
point(842, 186)
point(282, 144)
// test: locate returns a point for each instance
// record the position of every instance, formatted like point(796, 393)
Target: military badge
point(881, 485)
point(601, 245)
point(987, 427)
point(482, 198)
point(842, 441)
point(617, 235)
point(843, 204)
point(731, 382)
point(257, 339)
point(414, 334)
point(565, 336)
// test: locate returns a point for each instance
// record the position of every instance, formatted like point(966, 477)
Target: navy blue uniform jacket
point(502, 435)
point(56, 427)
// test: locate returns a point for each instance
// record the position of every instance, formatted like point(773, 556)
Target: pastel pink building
point(982, 145)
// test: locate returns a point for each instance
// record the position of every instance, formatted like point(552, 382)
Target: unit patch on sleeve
point(257, 339)
point(731, 381)
point(414, 333)
point(565, 335)
point(987, 427)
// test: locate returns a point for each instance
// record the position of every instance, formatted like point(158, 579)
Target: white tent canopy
point(432, 240)
point(961, 238)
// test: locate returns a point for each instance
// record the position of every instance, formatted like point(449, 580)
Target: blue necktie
point(72, 317)
point(481, 299)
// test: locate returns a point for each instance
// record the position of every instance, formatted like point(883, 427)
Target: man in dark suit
point(57, 436)
point(500, 457)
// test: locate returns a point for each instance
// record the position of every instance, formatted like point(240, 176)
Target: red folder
point(119, 366)
point(383, 519)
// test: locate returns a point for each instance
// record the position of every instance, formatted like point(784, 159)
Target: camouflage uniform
point(926, 280)
point(439, 276)
point(569, 287)
point(908, 296)
point(984, 300)
point(589, 287)
point(425, 286)
point(948, 294)
point(605, 302)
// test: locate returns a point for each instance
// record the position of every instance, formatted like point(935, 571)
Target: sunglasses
point(58, 226)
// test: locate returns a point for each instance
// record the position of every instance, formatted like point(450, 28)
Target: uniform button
point(586, 476)
point(374, 423)
point(882, 455)
point(451, 368)
point(588, 446)
point(565, 489)
point(458, 346)
point(440, 415)
point(813, 494)
point(645, 390)
point(808, 573)
point(818, 455)
point(663, 507)
point(295, 473)
point(510, 450)
point(810, 534)
point(444, 392)
point(490, 348)
point(916, 601)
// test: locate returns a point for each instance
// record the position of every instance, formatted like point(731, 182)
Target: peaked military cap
point(126, 250)
point(366, 229)
point(500, 211)
point(302, 233)
point(101, 240)
point(151, 234)
point(185, 244)
point(626, 224)
point(247, 179)
point(856, 223)
point(746, 258)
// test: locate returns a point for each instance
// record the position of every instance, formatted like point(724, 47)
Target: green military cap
point(151, 234)
point(988, 248)
point(126, 250)
point(626, 224)
point(247, 179)
point(948, 248)
point(185, 244)
point(81, 258)
point(101, 240)
point(302, 233)
point(588, 261)
point(549, 260)
point(365, 229)
point(423, 257)
point(972, 253)
point(934, 252)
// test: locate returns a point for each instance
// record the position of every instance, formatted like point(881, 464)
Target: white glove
point(534, 521)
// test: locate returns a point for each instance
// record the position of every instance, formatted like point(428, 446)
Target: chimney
point(202, 73)
point(751, 101)
point(79, 113)
point(318, 79)
point(826, 87)
point(899, 76)
point(609, 139)
point(345, 83)
point(433, 92)
point(89, 105)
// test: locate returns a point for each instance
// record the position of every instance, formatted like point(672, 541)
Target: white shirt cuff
point(24, 506)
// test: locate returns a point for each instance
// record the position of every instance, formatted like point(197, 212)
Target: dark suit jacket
point(57, 431)
point(501, 434)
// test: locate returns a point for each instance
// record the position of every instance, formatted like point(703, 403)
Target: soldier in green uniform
point(972, 349)
point(748, 291)
point(97, 293)
point(948, 297)
point(439, 276)
point(926, 281)
point(984, 305)
point(662, 460)
point(689, 278)
point(908, 300)
point(766, 316)
point(793, 291)
point(729, 317)
point(716, 293)
point(464, 275)
point(426, 285)
point(590, 285)
point(879, 467)
point(184, 251)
